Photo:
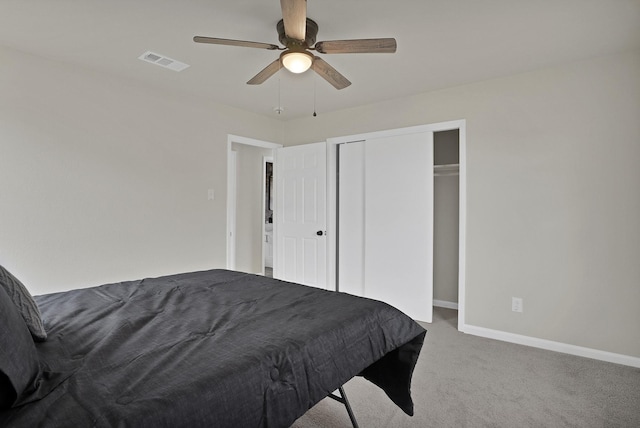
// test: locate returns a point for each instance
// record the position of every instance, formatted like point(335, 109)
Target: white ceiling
point(441, 43)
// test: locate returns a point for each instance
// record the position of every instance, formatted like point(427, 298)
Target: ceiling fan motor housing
point(310, 35)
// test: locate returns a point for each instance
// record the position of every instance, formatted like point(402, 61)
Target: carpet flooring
point(468, 381)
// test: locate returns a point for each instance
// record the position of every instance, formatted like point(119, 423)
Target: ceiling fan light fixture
point(297, 62)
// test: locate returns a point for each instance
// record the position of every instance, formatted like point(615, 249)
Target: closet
point(446, 194)
point(398, 218)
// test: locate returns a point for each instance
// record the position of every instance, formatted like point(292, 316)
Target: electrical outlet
point(211, 194)
point(516, 304)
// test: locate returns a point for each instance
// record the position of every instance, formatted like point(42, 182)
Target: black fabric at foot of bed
point(210, 349)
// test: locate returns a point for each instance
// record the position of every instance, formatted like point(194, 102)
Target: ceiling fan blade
point(329, 73)
point(229, 42)
point(294, 15)
point(267, 72)
point(357, 46)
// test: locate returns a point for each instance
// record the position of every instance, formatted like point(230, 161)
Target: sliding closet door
point(386, 238)
point(399, 222)
point(351, 218)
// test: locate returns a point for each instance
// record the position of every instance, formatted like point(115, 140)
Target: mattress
point(210, 349)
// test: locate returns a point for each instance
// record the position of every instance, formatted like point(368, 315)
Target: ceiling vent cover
point(163, 61)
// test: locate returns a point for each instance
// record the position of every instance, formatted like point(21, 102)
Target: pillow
point(24, 302)
point(19, 365)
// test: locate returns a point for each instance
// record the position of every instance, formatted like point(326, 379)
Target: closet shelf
point(444, 170)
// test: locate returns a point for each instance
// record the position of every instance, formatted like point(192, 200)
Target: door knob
point(319, 233)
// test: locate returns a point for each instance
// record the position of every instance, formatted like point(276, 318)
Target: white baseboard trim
point(550, 345)
point(445, 304)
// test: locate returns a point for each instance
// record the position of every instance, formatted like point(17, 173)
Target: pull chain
point(279, 109)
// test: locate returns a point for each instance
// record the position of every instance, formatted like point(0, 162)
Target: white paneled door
point(385, 221)
point(300, 215)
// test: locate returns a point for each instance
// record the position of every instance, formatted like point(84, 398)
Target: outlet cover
point(516, 304)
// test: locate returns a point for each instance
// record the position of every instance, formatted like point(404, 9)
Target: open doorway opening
point(446, 217)
point(246, 194)
point(269, 208)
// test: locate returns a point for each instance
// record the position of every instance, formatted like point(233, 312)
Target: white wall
point(101, 180)
point(553, 199)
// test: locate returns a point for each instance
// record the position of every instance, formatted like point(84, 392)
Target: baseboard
point(445, 304)
point(550, 345)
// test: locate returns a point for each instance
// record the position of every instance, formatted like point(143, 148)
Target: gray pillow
point(19, 363)
point(23, 300)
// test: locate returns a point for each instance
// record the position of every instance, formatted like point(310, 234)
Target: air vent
point(163, 61)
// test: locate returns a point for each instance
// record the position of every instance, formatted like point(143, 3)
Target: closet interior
point(446, 148)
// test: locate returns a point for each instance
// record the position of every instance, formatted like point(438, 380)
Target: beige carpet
point(467, 381)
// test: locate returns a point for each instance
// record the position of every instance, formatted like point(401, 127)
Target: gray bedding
point(210, 349)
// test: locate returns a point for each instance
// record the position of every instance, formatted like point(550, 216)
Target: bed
point(215, 348)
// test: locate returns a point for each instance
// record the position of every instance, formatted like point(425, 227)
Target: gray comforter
point(210, 349)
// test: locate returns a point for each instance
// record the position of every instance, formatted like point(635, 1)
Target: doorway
point(268, 208)
point(299, 180)
point(245, 202)
point(446, 209)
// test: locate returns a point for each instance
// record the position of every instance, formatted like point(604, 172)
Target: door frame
point(332, 201)
point(232, 191)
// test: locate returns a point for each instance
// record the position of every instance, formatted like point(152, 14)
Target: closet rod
point(446, 170)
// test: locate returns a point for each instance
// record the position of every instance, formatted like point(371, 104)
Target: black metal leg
point(343, 400)
point(348, 406)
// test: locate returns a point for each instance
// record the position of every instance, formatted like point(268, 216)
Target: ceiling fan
point(298, 35)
